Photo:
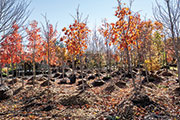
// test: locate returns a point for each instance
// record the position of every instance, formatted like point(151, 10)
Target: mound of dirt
point(73, 101)
point(141, 100)
point(42, 78)
point(106, 78)
point(5, 92)
point(56, 75)
point(110, 88)
point(63, 81)
point(167, 74)
point(121, 84)
point(177, 91)
point(45, 83)
point(91, 77)
point(98, 83)
point(72, 79)
point(152, 78)
point(13, 81)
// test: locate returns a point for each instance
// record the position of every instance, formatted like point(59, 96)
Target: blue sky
point(60, 11)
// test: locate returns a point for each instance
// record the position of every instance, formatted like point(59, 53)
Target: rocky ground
point(111, 98)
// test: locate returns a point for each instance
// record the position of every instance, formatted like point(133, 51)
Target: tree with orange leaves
point(12, 48)
point(34, 46)
point(124, 32)
point(75, 38)
point(50, 37)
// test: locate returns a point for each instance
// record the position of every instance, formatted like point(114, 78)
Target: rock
point(56, 75)
point(98, 83)
point(72, 79)
point(167, 74)
point(63, 81)
point(91, 77)
point(106, 78)
point(45, 83)
point(5, 92)
point(121, 84)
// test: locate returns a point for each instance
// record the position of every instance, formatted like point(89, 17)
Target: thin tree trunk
point(83, 83)
point(173, 39)
point(1, 74)
point(73, 67)
point(48, 66)
point(130, 69)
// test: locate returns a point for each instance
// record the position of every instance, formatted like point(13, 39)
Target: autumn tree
point(50, 37)
point(75, 38)
point(12, 48)
point(125, 32)
point(34, 46)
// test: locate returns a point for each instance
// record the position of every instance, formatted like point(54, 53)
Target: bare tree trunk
point(48, 66)
point(128, 59)
point(34, 72)
point(34, 64)
point(23, 74)
point(16, 70)
point(63, 64)
point(83, 83)
point(73, 66)
point(173, 38)
point(1, 74)
point(130, 69)
point(8, 71)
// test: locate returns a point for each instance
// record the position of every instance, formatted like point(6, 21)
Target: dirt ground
point(115, 99)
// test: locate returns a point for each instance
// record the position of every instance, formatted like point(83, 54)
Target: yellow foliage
point(152, 64)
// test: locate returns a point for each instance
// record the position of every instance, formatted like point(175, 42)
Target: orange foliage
point(76, 38)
